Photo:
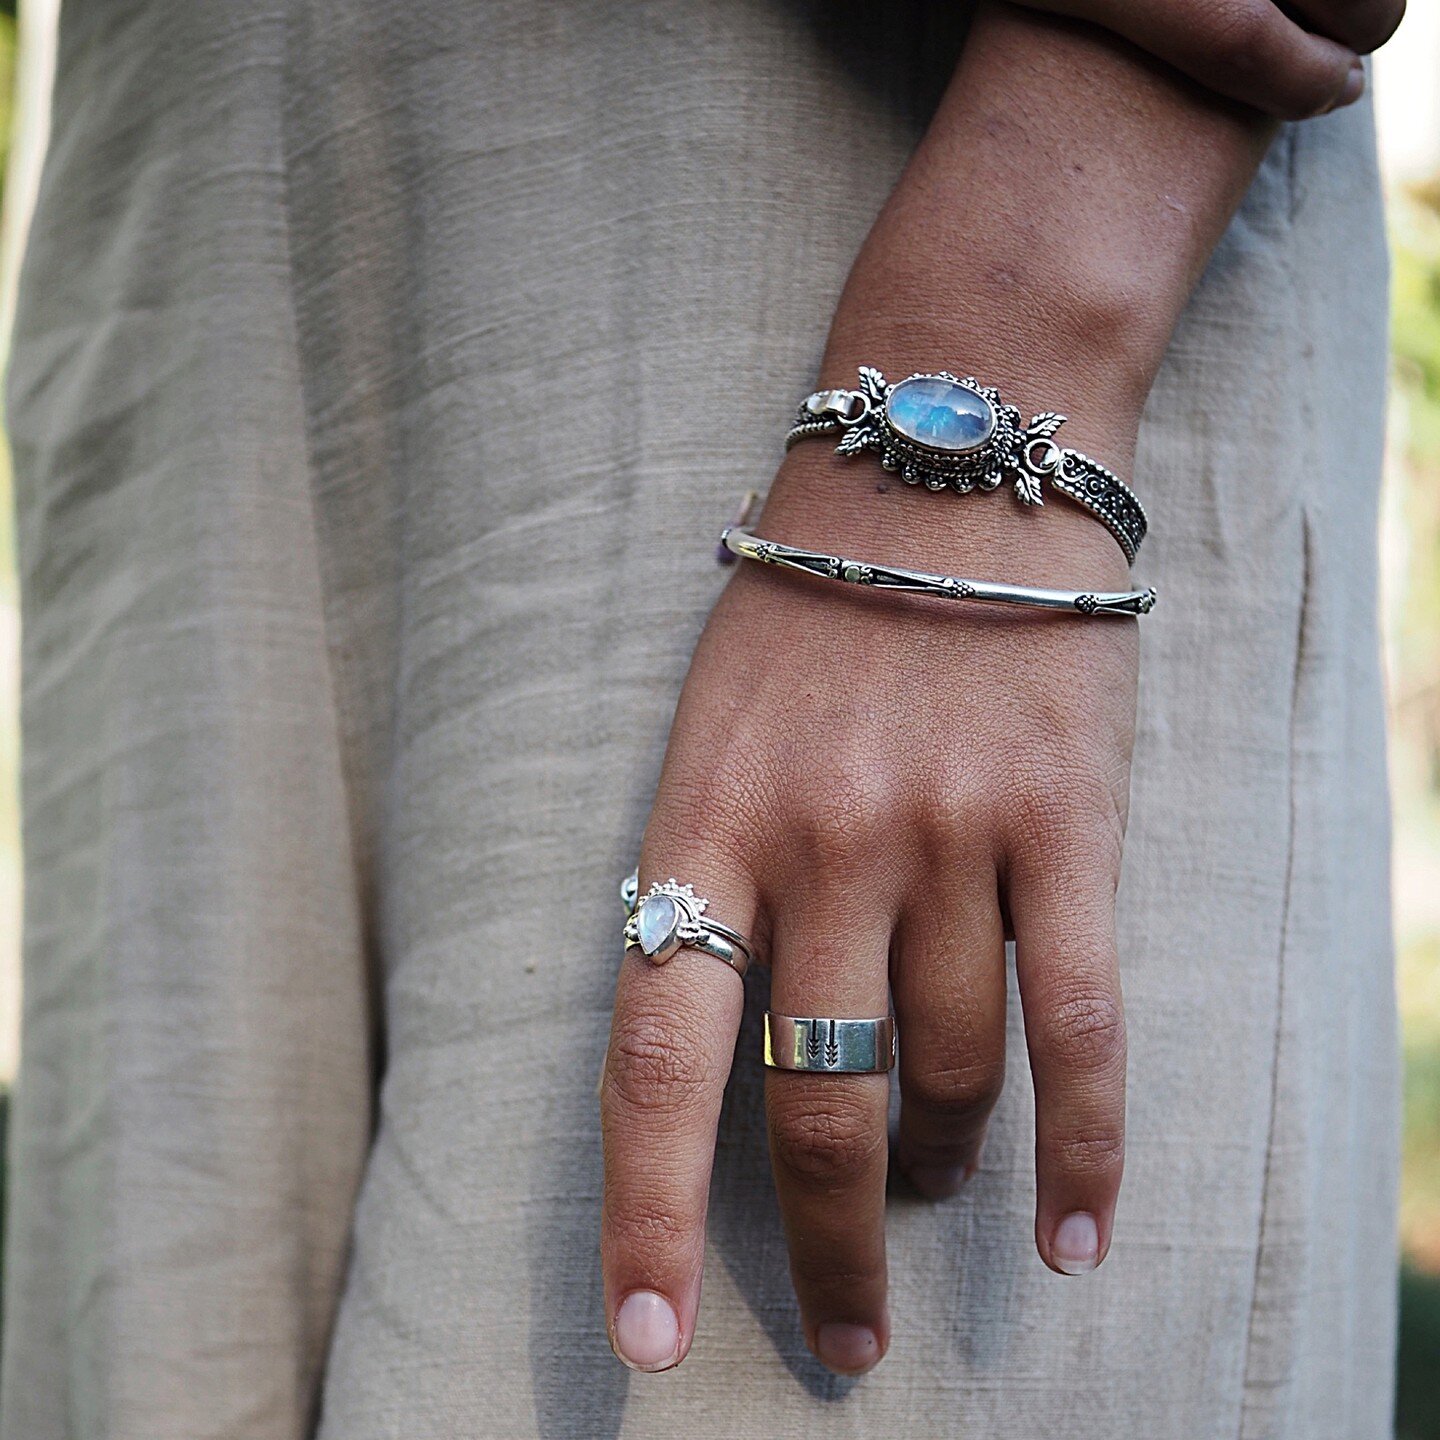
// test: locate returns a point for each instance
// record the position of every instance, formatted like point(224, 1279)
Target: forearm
point(1045, 236)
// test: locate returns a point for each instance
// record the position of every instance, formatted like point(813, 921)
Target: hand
point(869, 786)
point(874, 787)
point(1252, 50)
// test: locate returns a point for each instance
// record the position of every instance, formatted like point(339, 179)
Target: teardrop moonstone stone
point(657, 922)
point(940, 414)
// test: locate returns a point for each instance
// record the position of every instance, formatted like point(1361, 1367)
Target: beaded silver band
point(742, 541)
point(948, 433)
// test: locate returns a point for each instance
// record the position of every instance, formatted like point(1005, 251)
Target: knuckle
point(823, 1272)
point(701, 802)
point(825, 1143)
point(1064, 803)
point(842, 812)
point(1085, 1030)
point(1094, 1152)
point(1235, 32)
point(957, 1092)
point(1289, 81)
point(1075, 810)
point(1042, 807)
point(646, 1225)
point(653, 1065)
point(958, 824)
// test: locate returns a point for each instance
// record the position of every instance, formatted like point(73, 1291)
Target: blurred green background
point(1411, 553)
point(1411, 543)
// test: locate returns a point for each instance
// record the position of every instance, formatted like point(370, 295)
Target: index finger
point(671, 1045)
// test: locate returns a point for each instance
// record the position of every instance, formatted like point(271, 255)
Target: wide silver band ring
point(670, 917)
point(829, 1047)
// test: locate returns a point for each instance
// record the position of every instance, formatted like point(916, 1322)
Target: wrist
point(851, 505)
point(851, 500)
point(1092, 359)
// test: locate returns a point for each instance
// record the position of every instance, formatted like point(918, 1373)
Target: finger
point(1248, 50)
point(1363, 25)
point(948, 977)
point(671, 1045)
point(828, 1141)
point(1075, 1032)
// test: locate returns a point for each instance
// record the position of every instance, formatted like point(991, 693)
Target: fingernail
point(1354, 86)
point(938, 1182)
point(850, 1349)
point(1075, 1247)
point(647, 1331)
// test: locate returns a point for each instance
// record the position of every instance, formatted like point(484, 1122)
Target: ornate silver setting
point(1024, 454)
point(740, 540)
point(668, 917)
point(820, 1044)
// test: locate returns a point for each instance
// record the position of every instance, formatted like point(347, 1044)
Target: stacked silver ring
point(670, 917)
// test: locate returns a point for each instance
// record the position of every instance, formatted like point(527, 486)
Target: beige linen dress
point(365, 530)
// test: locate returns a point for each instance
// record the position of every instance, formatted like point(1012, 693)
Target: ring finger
point(949, 980)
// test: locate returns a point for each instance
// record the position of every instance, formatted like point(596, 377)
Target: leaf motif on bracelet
point(872, 385)
point(1027, 487)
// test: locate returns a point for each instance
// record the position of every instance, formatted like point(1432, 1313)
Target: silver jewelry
point(741, 540)
point(947, 433)
point(832, 1047)
point(668, 918)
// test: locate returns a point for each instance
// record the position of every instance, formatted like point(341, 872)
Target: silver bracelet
point(946, 433)
point(742, 541)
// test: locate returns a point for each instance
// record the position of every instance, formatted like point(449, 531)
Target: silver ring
point(671, 916)
point(831, 1047)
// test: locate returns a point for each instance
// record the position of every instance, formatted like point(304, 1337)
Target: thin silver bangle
point(741, 540)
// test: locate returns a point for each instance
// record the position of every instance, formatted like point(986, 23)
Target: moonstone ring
point(671, 916)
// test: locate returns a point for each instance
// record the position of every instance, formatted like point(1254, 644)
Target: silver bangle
point(947, 433)
point(742, 541)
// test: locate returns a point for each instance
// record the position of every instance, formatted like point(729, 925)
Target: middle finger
point(828, 1141)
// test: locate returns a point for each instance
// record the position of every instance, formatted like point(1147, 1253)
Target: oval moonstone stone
point(940, 414)
point(657, 922)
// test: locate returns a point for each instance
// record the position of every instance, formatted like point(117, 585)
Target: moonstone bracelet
point(951, 434)
point(742, 541)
